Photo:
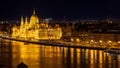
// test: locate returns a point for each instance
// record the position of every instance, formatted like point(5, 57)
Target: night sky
point(14, 9)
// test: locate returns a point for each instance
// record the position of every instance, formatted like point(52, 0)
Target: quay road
point(59, 43)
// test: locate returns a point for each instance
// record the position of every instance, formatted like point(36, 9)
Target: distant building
point(35, 29)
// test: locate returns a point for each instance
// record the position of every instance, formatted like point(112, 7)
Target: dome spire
point(33, 11)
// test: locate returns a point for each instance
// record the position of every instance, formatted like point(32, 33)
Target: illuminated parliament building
point(34, 29)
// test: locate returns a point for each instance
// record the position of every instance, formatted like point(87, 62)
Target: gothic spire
point(26, 20)
point(22, 21)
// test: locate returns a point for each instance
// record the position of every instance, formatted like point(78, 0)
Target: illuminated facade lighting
point(36, 30)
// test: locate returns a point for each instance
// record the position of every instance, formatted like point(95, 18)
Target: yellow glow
point(119, 42)
point(72, 39)
point(100, 41)
point(109, 41)
point(34, 30)
point(92, 41)
point(101, 57)
point(92, 57)
point(78, 40)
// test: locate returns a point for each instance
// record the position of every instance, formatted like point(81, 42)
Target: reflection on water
point(40, 56)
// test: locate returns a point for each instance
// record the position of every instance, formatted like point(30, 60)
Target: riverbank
point(61, 44)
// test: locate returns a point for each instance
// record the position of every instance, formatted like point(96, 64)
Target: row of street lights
point(93, 42)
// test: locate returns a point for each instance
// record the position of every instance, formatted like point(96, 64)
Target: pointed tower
point(34, 12)
point(26, 20)
point(22, 21)
point(26, 23)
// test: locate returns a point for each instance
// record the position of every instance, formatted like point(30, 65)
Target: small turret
point(26, 20)
point(26, 23)
point(22, 21)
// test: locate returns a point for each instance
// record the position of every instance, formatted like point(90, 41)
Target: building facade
point(34, 29)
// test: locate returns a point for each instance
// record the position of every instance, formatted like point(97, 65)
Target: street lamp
point(100, 41)
point(78, 40)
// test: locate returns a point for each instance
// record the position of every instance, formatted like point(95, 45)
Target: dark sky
point(13, 9)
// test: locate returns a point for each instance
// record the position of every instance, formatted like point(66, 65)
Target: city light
point(100, 41)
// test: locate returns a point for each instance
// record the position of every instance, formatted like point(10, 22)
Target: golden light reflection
point(37, 55)
point(27, 52)
point(78, 56)
point(100, 59)
point(92, 57)
point(87, 54)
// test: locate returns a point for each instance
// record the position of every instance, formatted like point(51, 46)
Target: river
point(40, 56)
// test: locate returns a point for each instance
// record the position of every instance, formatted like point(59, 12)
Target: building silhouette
point(34, 29)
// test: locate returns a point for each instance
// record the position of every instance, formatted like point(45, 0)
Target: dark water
point(40, 56)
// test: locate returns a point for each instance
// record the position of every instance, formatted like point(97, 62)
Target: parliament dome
point(34, 18)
